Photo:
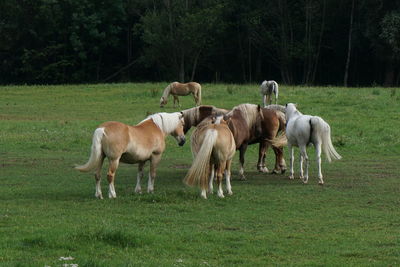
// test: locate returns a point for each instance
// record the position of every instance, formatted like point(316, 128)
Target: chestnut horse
point(252, 124)
point(213, 147)
point(181, 89)
point(193, 116)
point(132, 144)
point(273, 122)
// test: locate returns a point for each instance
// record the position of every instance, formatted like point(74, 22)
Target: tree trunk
point(182, 69)
point(389, 73)
point(346, 72)
point(195, 65)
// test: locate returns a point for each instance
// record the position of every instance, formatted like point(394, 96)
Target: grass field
point(48, 209)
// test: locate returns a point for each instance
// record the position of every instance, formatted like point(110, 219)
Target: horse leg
point(280, 164)
point(291, 152)
point(228, 177)
point(176, 99)
point(138, 188)
point(269, 99)
point(242, 151)
point(97, 177)
point(264, 97)
point(263, 147)
point(210, 179)
point(301, 167)
point(155, 159)
point(220, 173)
point(318, 152)
point(304, 156)
point(112, 168)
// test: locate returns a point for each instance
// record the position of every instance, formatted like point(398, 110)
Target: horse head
point(179, 133)
point(163, 101)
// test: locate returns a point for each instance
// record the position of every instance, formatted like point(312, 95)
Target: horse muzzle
point(181, 140)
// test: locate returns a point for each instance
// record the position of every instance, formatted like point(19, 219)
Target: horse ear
point(258, 107)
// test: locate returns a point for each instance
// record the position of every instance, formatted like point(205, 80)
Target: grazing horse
point(132, 144)
point(252, 124)
point(213, 148)
point(181, 89)
point(268, 88)
point(301, 130)
point(193, 116)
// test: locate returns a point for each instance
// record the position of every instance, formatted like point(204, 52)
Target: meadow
point(50, 217)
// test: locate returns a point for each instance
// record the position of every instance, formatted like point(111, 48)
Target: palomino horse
point(213, 147)
point(301, 130)
point(181, 89)
point(268, 88)
point(193, 116)
point(252, 124)
point(132, 144)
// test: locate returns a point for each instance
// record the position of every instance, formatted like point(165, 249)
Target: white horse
point(301, 130)
point(268, 88)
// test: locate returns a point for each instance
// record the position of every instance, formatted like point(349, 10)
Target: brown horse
point(181, 89)
point(252, 124)
point(213, 147)
point(193, 116)
point(132, 144)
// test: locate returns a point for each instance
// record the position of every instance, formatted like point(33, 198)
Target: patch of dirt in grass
point(180, 166)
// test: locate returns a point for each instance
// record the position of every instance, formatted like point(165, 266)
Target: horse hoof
point(291, 177)
point(230, 193)
point(320, 183)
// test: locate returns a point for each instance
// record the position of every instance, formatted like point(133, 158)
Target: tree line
point(311, 42)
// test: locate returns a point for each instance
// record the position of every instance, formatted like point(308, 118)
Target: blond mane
point(249, 112)
point(167, 122)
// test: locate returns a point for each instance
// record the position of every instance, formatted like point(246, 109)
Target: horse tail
point(280, 140)
point(198, 172)
point(94, 161)
point(323, 129)
point(276, 89)
point(199, 95)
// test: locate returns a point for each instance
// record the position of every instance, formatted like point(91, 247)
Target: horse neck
point(165, 122)
point(293, 114)
point(167, 90)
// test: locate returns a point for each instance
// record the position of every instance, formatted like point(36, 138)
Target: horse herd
point(218, 134)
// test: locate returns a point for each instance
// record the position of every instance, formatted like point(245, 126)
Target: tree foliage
point(293, 42)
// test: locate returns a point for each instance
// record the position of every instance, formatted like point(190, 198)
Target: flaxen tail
point(199, 96)
point(279, 141)
point(198, 172)
point(95, 155)
point(324, 130)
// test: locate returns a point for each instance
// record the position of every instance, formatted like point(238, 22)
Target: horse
point(213, 148)
point(268, 88)
point(143, 142)
point(252, 124)
point(302, 130)
point(181, 89)
point(193, 116)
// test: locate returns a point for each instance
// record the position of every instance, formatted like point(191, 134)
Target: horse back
point(116, 138)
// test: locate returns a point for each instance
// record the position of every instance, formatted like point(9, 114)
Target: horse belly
point(128, 158)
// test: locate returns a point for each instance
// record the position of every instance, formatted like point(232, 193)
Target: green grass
point(48, 210)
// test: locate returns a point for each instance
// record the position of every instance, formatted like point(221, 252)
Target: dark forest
point(309, 42)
